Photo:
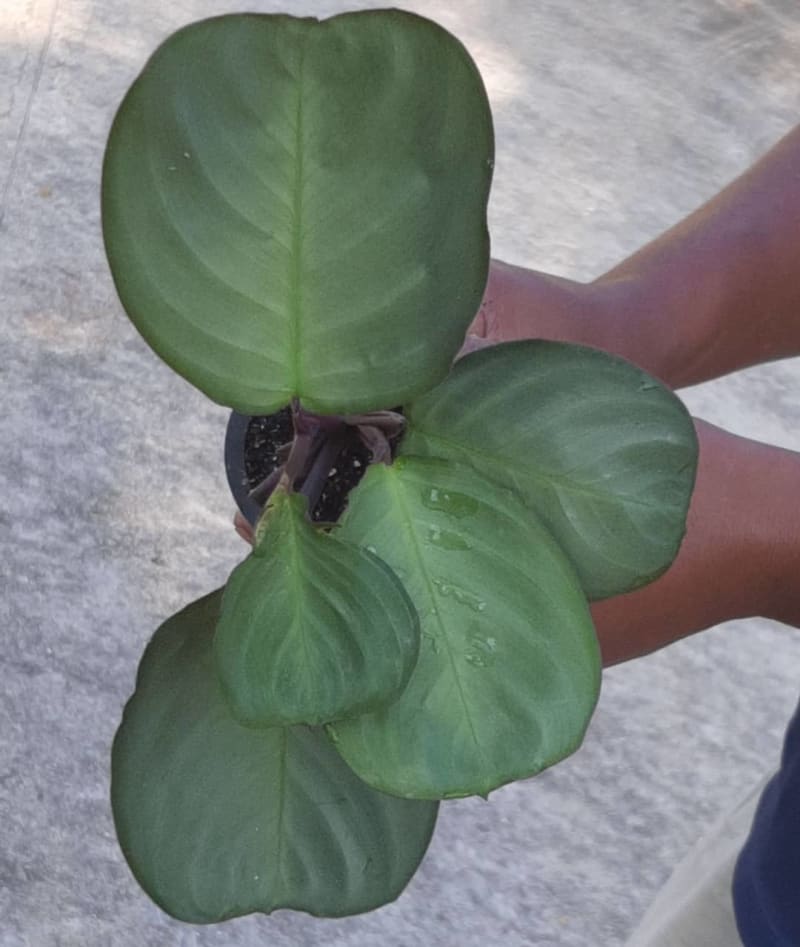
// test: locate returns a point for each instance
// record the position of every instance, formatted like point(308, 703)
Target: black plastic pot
point(245, 468)
point(235, 470)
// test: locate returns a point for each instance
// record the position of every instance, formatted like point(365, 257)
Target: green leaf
point(603, 452)
point(508, 672)
point(298, 208)
point(312, 628)
point(218, 820)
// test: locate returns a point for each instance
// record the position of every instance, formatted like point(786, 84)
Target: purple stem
point(263, 491)
point(314, 483)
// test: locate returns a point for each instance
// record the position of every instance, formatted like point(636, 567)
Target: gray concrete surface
point(613, 120)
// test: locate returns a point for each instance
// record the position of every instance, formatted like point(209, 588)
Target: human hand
point(526, 304)
point(519, 303)
point(626, 313)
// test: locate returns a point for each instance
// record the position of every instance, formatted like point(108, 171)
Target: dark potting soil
point(265, 435)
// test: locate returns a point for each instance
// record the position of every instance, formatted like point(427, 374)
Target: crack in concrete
point(23, 128)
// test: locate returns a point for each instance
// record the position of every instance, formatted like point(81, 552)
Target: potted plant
point(294, 213)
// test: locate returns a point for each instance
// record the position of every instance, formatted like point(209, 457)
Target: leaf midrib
point(432, 595)
point(300, 594)
point(281, 806)
point(296, 269)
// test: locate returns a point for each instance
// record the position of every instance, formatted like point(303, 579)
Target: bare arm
point(740, 556)
point(718, 291)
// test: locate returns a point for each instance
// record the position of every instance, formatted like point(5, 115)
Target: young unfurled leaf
point(218, 820)
point(312, 628)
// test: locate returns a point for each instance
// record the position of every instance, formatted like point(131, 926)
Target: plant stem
point(305, 447)
point(314, 482)
point(390, 422)
point(376, 441)
point(263, 491)
point(306, 462)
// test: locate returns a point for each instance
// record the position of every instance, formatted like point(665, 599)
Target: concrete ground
point(613, 120)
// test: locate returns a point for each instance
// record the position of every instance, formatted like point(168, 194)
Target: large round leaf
point(603, 452)
point(312, 628)
point(509, 670)
point(298, 208)
point(218, 820)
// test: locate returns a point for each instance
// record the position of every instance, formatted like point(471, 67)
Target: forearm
point(740, 556)
point(721, 290)
point(717, 292)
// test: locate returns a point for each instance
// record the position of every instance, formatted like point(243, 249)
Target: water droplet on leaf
point(481, 651)
point(462, 596)
point(475, 659)
point(446, 539)
point(431, 642)
point(450, 502)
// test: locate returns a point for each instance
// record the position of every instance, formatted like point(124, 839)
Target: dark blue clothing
point(766, 883)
